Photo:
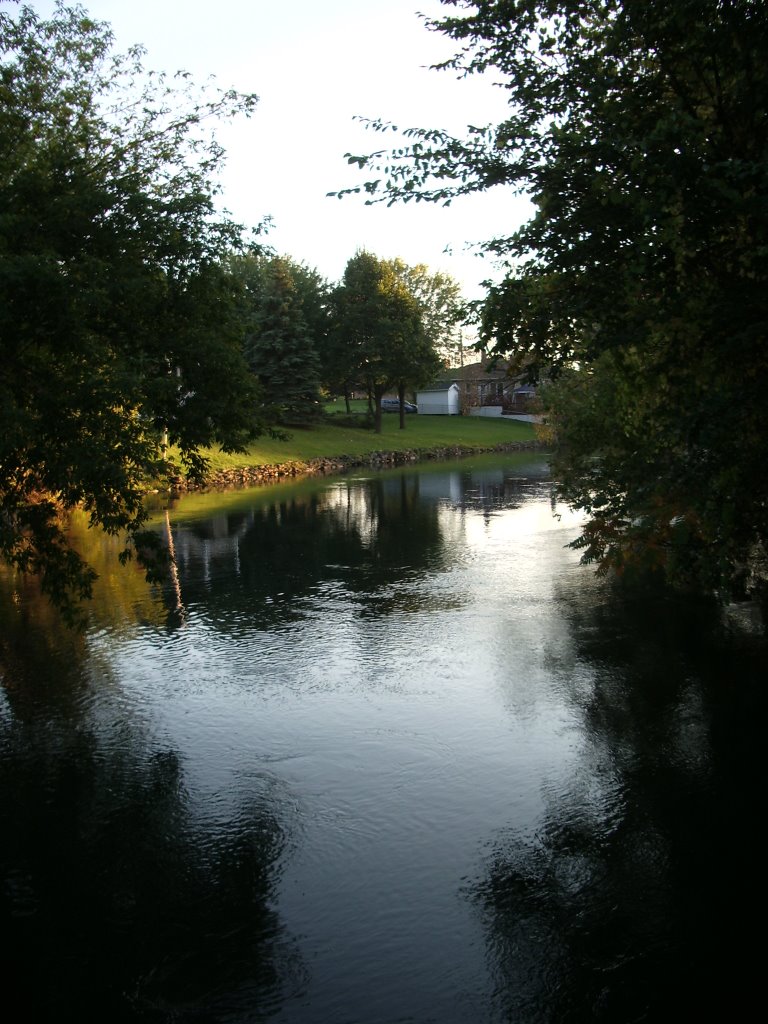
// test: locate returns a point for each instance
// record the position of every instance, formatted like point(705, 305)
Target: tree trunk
point(401, 399)
point(378, 392)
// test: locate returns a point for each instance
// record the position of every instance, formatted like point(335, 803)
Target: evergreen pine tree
point(278, 345)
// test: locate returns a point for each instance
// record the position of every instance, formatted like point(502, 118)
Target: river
point(381, 752)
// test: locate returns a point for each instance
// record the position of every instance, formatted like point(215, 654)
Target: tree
point(314, 294)
point(416, 360)
point(639, 130)
point(118, 318)
point(378, 327)
point(339, 363)
point(278, 297)
point(443, 312)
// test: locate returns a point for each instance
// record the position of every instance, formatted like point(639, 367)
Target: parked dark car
point(393, 405)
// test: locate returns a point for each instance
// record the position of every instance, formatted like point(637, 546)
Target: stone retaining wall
point(250, 476)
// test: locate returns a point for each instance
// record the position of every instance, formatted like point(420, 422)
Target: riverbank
point(249, 476)
point(331, 448)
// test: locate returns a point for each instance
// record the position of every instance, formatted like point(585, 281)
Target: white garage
point(439, 401)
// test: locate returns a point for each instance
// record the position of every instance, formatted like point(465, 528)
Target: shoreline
point(251, 476)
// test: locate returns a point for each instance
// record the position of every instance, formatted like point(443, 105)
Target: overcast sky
point(315, 64)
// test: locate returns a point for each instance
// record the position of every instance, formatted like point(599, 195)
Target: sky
point(316, 65)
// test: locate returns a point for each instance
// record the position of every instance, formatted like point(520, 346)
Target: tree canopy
point(285, 321)
point(640, 131)
point(443, 311)
point(118, 318)
point(379, 326)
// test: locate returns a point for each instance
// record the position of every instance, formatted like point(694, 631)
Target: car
point(393, 405)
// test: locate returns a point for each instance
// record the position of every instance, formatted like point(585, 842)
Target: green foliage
point(118, 319)
point(380, 330)
point(638, 128)
point(279, 300)
point(443, 312)
point(377, 325)
point(314, 294)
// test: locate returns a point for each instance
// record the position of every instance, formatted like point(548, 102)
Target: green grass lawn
point(329, 439)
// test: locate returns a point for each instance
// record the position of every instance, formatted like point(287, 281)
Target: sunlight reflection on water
point(401, 754)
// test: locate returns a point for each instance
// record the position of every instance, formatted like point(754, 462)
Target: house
point(488, 386)
point(483, 384)
point(483, 388)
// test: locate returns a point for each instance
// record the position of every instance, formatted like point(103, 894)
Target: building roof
point(438, 388)
point(482, 371)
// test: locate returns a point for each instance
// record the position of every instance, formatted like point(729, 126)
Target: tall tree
point(340, 370)
point(443, 311)
point(639, 130)
point(118, 319)
point(277, 299)
point(416, 360)
point(313, 292)
point(378, 326)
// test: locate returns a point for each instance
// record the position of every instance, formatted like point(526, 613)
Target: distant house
point(477, 386)
point(441, 400)
point(483, 383)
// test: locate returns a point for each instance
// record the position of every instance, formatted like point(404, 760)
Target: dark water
point(383, 752)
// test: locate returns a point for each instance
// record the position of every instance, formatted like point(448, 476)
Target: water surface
point(381, 752)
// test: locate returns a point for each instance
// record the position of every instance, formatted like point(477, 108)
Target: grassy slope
point(420, 432)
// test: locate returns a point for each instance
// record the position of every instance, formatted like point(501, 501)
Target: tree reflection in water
point(633, 899)
point(260, 564)
point(118, 904)
point(260, 560)
point(167, 781)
